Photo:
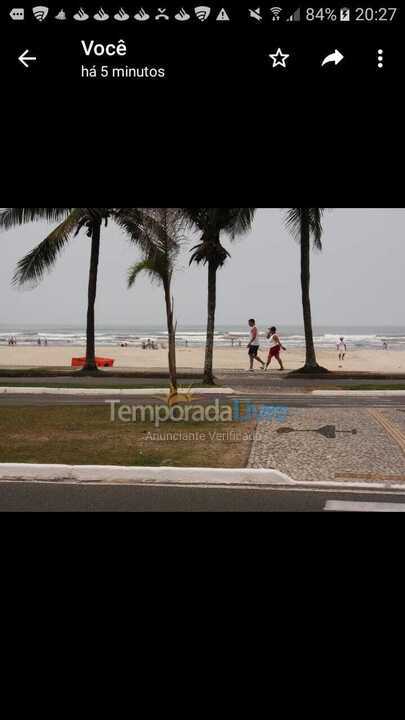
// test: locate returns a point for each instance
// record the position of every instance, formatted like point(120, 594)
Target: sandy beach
point(392, 361)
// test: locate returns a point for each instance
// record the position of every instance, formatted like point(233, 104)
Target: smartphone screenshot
point(202, 359)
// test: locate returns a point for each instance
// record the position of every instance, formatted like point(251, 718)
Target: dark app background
point(223, 123)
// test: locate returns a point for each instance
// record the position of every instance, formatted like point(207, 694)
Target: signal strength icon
point(40, 12)
point(276, 12)
point(296, 16)
point(202, 12)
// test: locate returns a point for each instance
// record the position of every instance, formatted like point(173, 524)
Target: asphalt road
point(48, 497)
point(292, 401)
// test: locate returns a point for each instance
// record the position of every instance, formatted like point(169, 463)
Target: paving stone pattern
point(310, 456)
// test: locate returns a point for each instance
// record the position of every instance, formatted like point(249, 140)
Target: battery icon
point(345, 15)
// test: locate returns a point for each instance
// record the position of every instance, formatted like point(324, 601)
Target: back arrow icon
point(335, 57)
point(24, 59)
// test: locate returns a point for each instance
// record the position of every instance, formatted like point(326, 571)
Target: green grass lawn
point(86, 436)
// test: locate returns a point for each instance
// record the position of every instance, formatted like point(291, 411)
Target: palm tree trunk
point(311, 364)
point(212, 306)
point(93, 277)
point(171, 328)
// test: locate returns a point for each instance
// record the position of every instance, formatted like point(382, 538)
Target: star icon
point(279, 58)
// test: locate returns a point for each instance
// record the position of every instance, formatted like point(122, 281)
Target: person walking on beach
point(342, 349)
point(254, 345)
point(275, 348)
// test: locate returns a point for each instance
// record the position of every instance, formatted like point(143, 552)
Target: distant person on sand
point(342, 349)
point(275, 348)
point(39, 343)
point(254, 345)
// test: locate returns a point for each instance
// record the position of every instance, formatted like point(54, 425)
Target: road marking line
point(372, 477)
point(392, 430)
point(347, 506)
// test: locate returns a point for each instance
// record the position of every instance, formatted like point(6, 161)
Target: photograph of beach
point(355, 291)
point(378, 350)
point(202, 358)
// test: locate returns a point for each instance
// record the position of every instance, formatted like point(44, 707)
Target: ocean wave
point(195, 337)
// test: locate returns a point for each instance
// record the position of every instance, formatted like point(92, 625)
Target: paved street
point(47, 497)
point(345, 439)
point(290, 400)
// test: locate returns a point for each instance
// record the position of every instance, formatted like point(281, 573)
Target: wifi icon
point(276, 12)
point(40, 12)
point(203, 12)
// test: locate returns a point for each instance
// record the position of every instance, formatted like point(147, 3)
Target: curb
point(248, 479)
point(359, 393)
point(107, 392)
point(142, 475)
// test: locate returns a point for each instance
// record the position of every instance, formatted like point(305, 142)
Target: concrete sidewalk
point(107, 392)
point(335, 445)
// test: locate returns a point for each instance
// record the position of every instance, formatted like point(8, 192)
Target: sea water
point(194, 336)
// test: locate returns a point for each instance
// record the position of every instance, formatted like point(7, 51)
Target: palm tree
point(42, 258)
point(306, 224)
point(159, 262)
point(212, 223)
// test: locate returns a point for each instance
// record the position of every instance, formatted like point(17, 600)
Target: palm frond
point(145, 265)
point(32, 267)
point(313, 217)
point(206, 252)
point(12, 217)
point(233, 221)
point(212, 222)
point(240, 221)
point(161, 242)
point(141, 227)
point(196, 218)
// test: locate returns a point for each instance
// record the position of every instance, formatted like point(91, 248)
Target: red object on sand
point(101, 362)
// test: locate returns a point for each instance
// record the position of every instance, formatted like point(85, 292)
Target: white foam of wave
point(196, 337)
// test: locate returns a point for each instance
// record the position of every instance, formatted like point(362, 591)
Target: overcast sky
point(357, 280)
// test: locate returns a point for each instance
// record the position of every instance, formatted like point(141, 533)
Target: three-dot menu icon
point(17, 14)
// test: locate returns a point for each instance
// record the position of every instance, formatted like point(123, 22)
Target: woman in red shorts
point(275, 348)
